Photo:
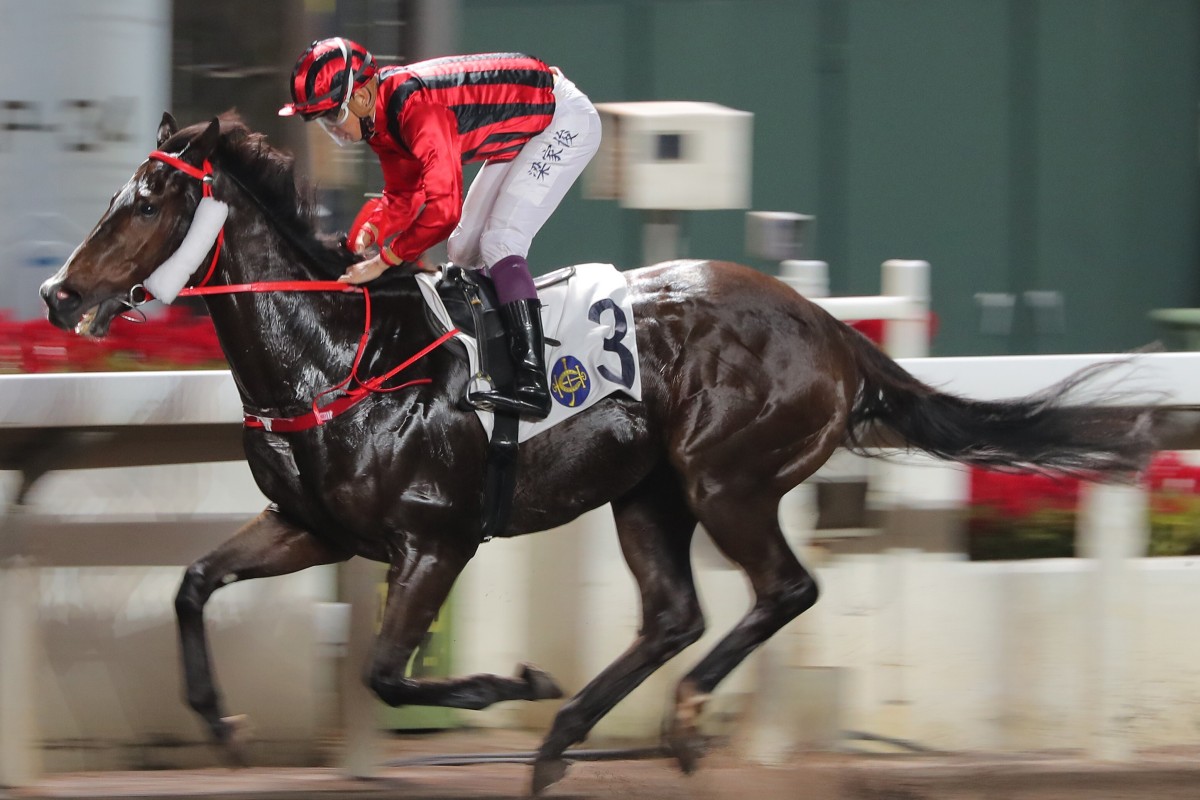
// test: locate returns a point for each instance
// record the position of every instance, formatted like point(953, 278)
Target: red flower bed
point(1014, 495)
point(176, 339)
point(1033, 516)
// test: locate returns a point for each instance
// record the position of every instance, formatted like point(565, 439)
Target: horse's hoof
point(686, 749)
point(547, 772)
point(683, 734)
point(541, 685)
point(233, 735)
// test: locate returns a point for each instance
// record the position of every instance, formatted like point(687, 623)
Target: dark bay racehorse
point(748, 389)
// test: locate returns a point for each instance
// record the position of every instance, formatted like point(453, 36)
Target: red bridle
point(318, 415)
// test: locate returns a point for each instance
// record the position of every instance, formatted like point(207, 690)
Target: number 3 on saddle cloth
point(591, 353)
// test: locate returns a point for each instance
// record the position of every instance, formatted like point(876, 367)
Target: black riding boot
point(531, 392)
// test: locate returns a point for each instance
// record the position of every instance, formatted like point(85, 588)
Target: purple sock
point(512, 279)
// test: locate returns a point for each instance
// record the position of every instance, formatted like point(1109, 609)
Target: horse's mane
point(269, 174)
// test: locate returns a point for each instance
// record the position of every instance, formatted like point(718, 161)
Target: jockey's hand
point(364, 271)
point(364, 238)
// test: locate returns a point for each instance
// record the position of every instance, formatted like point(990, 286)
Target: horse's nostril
point(65, 299)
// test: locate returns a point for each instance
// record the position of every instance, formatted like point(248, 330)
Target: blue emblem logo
point(569, 382)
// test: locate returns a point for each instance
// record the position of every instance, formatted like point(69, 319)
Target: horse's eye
point(147, 209)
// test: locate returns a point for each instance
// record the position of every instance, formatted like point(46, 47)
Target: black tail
point(1043, 432)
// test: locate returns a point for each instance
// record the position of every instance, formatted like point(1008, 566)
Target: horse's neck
point(283, 347)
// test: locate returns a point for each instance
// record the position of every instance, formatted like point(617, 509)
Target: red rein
point(354, 394)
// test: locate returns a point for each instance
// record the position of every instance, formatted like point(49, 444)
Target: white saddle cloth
point(591, 318)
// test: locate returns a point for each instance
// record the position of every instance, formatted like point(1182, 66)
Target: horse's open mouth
point(95, 322)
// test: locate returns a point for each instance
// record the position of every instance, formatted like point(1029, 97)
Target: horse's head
point(145, 223)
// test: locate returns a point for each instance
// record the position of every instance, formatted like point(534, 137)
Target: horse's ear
point(167, 128)
point(200, 148)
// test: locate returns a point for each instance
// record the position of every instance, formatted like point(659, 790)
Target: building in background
point(82, 90)
point(85, 85)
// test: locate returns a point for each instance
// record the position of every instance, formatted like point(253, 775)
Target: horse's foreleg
point(655, 529)
point(418, 584)
point(268, 545)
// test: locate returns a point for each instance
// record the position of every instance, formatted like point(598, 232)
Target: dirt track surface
point(722, 775)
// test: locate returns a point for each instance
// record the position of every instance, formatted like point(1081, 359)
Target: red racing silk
point(432, 117)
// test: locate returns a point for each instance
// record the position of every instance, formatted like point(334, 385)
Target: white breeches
point(508, 202)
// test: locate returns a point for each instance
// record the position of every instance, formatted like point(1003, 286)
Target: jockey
point(534, 131)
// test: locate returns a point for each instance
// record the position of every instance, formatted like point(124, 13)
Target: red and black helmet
point(326, 75)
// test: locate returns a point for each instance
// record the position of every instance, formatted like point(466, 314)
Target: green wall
point(1018, 145)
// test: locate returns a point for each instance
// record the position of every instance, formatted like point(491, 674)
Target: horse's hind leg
point(418, 583)
point(655, 529)
point(747, 531)
point(268, 545)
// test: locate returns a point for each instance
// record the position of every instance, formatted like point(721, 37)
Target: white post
point(809, 278)
point(493, 619)
point(20, 758)
point(359, 581)
point(1113, 529)
point(779, 699)
point(660, 236)
point(907, 337)
point(797, 703)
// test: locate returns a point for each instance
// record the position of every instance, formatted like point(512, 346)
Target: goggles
point(331, 120)
point(331, 123)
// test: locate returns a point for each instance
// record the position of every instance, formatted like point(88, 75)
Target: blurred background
point(1042, 155)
